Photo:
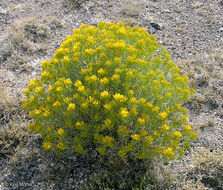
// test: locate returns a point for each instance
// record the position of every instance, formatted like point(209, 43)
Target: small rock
point(212, 103)
point(4, 55)
point(151, 30)
point(221, 30)
point(156, 25)
point(70, 180)
point(3, 11)
point(166, 11)
point(220, 115)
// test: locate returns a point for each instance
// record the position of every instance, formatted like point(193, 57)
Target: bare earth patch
point(30, 31)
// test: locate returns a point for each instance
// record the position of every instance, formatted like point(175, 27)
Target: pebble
point(221, 30)
point(3, 11)
point(151, 30)
point(156, 26)
point(166, 11)
point(212, 103)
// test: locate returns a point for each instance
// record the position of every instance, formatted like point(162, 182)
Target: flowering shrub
point(113, 89)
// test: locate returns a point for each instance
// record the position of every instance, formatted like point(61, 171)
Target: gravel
point(189, 30)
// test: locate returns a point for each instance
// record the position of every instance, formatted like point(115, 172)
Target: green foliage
point(114, 90)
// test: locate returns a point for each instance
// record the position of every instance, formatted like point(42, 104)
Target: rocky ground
point(31, 30)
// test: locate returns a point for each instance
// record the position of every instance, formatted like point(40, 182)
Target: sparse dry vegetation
point(209, 167)
point(34, 30)
point(28, 35)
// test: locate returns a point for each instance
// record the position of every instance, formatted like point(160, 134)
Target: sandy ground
point(31, 30)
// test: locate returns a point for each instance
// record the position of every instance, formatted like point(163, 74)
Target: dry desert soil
point(31, 31)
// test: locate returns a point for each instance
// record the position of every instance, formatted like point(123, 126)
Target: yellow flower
point(47, 145)
point(55, 61)
point(149, 105)
point(151, 73)
point(156, 109)
point(121, 31)
point(141, 121)
point(107, 140)
point(71, 106)
point(187, 128)
point(177, 106)
point(56, 104)
point(50, 88)
point(65, 60)
point(67, 100)
point(104, 81)
point(142, 100)
point(32, 99)
point(135, 137)
point(84, 105)
point(60, 146)
point(133, 100)
point(90, 99)
point(32, 83)
point(168, 95)
point(124, 112)
point(95, 102)
point(156, 82)
point(67, 82)
point(115, 77)
point(163, 115)
point(81, 89)
point(59, 89)
point(166, 127)
point(79, 124)
point(26, 91)
point(38, 89)
point(76, 96)
point(103, 55)
point(177, 134)
point(168, 152)
point(58, 83)
point(44, 74)
point(60, 131)
point(104, 94)
point(94, 78)
point(45, 63)
point(46, 113)
point(101, 71)
point(89, 51)
point(131, 92)
point(119, 98)
point(101, 150)
point(108, 106)
point(78, 83)
point(35, 112)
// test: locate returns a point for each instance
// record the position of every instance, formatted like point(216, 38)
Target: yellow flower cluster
point(119, 98)
point(111, 87)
